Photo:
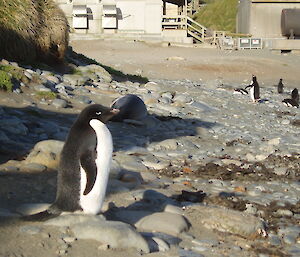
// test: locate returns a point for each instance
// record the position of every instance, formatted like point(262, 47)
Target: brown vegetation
point(32, 30)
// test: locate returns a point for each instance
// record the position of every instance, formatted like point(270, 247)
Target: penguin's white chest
point(252, 94)
point(91, 203)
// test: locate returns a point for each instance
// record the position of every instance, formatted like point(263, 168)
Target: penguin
point(130, 106)
point(290, 103)
point(294, 101)
point(84, 165)
point(254, 89)
point(241, 91)
point(280, 86)
point(295, 95)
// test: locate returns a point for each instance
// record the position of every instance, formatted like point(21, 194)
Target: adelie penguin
point(84, 165)
point(254, 89)
point(280, 87)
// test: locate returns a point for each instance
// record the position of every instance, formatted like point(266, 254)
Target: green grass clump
point(16, 72)
point(5, 81)
point(46, 95)
point(218, 15)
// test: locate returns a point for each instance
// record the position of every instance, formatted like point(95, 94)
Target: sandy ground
point(159, 61)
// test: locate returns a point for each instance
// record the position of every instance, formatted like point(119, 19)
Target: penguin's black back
point(256, 88)
point(295, 95)
point(280, 87)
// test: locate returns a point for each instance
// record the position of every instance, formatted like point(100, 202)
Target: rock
point(59, 103)
point(42, 88)
point(173, 209)
point(46, 153)
point(274, 141)
point(13, 125)
point(83, 99)
point(283, 212)
point(115, 234)
point(226, 220)
point(33, 167)
point(157, 244)
point(32, 208)
point(188, 253)
point(175, 58)
point(32, 230)
point(153, 86)
point(98, 70)
point(164, 222)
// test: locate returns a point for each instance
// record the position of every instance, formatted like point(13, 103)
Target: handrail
point(195, 22)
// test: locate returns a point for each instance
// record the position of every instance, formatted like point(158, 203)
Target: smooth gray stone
point(290, 239)
point(32, 230)
point(32, 208)
point(75, 79)
point(115, 234)
point(188, 253)
point(128, 216)
point(42, 88)
point(33, 167)
point(83, 99)
point(59, 103)
point(274, 240)
point(169, 223)
point(226, 220)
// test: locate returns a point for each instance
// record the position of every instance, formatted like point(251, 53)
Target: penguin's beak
point(114, 111)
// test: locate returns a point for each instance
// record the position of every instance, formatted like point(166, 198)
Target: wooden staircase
point(198, 32)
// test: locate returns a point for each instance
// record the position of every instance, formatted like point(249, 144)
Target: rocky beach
point(207, 173)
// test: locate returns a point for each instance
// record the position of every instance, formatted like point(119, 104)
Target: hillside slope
point(218, 15)
point(32, 30)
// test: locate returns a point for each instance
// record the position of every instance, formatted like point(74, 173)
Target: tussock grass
point(5, 81)
point(46, 95)
point(218, 15)
point(32, 30)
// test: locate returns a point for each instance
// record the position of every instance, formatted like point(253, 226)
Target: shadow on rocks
point(22, 128)
point(160, 129)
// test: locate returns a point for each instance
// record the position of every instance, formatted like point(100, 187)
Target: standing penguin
point(280, 87)
point(84, 164)
point(254, 89)
point(295, 95)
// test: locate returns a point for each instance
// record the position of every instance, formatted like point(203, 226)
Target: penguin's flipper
point(87, 161)
point(40, 216)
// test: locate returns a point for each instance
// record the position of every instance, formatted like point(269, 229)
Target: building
point(269, 20)
point(153, 19)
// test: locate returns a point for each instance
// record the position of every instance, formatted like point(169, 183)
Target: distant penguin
point(130, 106)
point(254, 89)
point(240, 91)
point(295, 95)
point(290, 103)
point(280, 87)
point(84, 165)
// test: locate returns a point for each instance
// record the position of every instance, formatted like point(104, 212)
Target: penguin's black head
point(97, 111)
point(254, 78)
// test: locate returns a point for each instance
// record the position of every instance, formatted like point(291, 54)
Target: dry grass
point(32, 30)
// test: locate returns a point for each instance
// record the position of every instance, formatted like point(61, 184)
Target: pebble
point(59, 103)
